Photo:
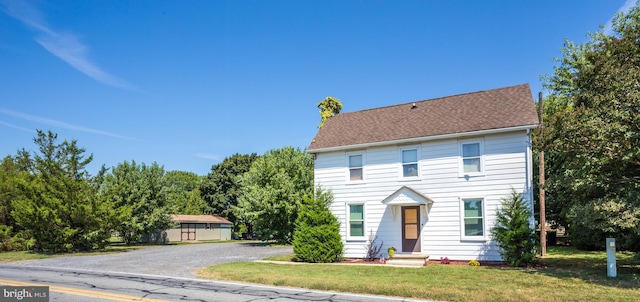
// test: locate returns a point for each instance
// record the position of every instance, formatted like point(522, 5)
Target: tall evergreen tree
point(513, 232)
point(10, 182)
point(59, 208)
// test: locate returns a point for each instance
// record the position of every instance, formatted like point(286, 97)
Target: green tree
point(513, 232)
point(272, 191)
point(316, 238)
point(59, 208)
point(195, 204)
point(329, 107)
point(594, 163)
point(13, 180)
point(140, 193)
point(221, 188)
point(181, 185)
point(10, 178)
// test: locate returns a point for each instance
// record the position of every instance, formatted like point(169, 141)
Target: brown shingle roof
point(199, 219)
point(484, 110)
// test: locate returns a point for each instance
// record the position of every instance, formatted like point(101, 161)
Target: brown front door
point(410, 229)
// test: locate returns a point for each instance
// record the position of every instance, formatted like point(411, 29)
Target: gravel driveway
point(169, 260)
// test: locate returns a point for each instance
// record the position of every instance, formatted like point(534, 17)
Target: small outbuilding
point(198, 228)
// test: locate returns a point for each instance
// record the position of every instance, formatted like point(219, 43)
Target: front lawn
point(565, 275)
point(30, 255)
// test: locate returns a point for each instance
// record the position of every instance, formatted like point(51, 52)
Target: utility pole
point(543, 218)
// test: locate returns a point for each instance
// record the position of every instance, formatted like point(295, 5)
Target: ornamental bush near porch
point(316, 238)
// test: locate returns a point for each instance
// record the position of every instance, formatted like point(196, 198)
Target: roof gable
point(407, 196)
point(484, 110)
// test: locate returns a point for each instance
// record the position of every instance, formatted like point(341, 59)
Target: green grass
point(280, 258)
point(30, 255)
point(115, 246)
point(565, 275)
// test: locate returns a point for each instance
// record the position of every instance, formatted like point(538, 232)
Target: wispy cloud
point(17, 127)
point(608, 28)
point(54, 123)
point(64, 45)
point(210, 156)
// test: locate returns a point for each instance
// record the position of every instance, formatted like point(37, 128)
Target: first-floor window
point(473, 220)
point(356, 220)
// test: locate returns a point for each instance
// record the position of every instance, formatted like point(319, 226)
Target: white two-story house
point(427, 177)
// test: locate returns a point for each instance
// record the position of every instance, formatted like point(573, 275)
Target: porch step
point(408, 260)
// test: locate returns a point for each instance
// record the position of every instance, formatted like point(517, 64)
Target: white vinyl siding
point(505, 166)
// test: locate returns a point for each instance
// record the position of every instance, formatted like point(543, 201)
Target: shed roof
point(199, 219)
point(500, 108)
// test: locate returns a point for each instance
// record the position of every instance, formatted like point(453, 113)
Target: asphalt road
point(73, 285)
point(163, 273)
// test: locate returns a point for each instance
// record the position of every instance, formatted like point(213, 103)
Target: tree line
point(591, 137)
point(49, 202)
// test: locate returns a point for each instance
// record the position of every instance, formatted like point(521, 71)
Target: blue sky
point(188, 83)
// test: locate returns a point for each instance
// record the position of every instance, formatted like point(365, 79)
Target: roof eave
point(201, 221)
point(425, 138)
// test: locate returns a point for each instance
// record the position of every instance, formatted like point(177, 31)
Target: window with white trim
point(472, 224)
point(471, 154)
point(409, 158)
point(356, 220)
point(356, 167)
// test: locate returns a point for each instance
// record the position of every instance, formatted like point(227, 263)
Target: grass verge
point(30, 255)
point(565, 275)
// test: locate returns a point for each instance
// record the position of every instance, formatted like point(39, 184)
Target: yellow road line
point(82, 292)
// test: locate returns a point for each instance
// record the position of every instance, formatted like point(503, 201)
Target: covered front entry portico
point(410, 205)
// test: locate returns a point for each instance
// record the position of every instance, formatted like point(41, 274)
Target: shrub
point(474, 263)
point(513, 232)
point(444, 260)
point(5, 237)
point(22, 241)
point(18, 242)
point(391, 251)
point(373, 249)
point(316, 238)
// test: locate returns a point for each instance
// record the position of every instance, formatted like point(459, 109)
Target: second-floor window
point(355, 167)
point(471, 158)
point(410, 163)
